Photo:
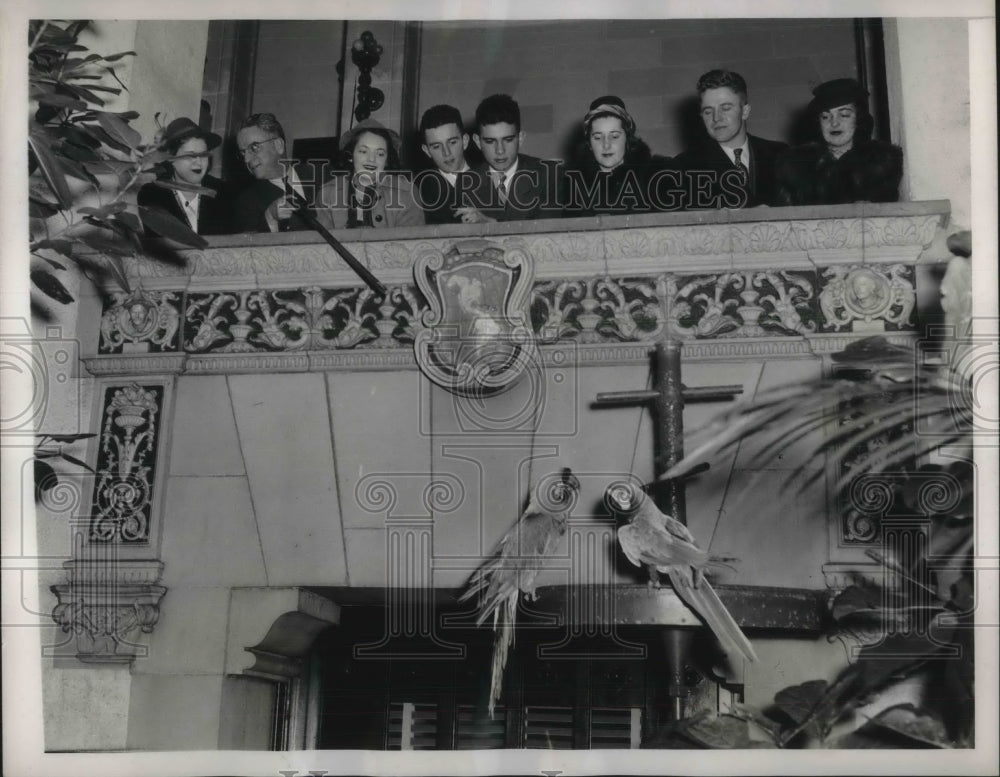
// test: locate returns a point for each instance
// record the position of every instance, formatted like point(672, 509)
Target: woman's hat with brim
point(369, 125)
point(840, 91)
point(183, 129)
point(613, 106)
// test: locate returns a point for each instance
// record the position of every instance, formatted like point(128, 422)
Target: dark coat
point(868, 172)
point(626, 189)
point(533, 191)
point(720, 188)
point(438, 198)
point(253, 201)
point(215, 215)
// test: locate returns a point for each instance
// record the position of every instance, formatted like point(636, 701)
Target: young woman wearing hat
point(188, 146)
point(846, 165)
point(612, 164)
point(368, 194)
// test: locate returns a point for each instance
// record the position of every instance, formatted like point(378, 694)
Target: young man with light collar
point(510, 186)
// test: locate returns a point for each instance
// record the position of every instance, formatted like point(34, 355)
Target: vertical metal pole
point(669, 405)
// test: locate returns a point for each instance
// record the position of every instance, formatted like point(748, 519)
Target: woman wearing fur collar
point(846, 165)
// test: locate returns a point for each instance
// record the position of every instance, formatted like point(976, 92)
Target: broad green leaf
point(118, 129)
point(723, 732)
point(75, 460)
point(907, 720)
point(103, 245)
point(855, 599)
point(116, 268)
point(50, 169)
point(77, 170)
point(129, 221)
point(77, 62)
point(169, 226)
point(799, 701)
point(78, 153)
point(63, 101)
point(45, 478)
point(81, 92)
point(50, 285)
point(185, 187)
point(104, 211)
point(116, 57)
point(64, 247)
point(41, 209)
point(71, 437)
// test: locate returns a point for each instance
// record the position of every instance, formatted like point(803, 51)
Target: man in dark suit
point(444, 140)
point(509, 185)
point(261, 206)
point(731, 168)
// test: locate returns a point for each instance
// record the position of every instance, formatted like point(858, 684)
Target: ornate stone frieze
point(126, 464)
point(107, 605)
point(141, 322)
point(913, 231)
point(712, 279)
point(293, 329)
point(742, 304)
point(827, 234)
point(853, 295)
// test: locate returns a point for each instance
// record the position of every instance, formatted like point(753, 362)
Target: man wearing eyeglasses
point(263, 206)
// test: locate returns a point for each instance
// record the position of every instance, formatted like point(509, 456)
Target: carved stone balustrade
point(737, 283)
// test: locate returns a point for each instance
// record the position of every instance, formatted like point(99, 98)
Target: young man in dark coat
point(444, 140)
point(846, 165)
point(730, 168)
point(509, 185)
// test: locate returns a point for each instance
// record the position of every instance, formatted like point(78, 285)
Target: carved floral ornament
point(792, 299)
point(123, 490)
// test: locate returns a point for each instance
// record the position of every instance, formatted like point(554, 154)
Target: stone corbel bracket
point(107, 605)
point(272, 629)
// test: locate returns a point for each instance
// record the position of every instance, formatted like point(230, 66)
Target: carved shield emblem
point(476, 336)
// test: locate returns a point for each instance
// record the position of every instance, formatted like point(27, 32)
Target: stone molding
point(107, 605)
point(712, 241)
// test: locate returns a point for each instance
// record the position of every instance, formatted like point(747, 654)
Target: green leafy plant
point(85, 165)
point(916, 627)
point(49, 447)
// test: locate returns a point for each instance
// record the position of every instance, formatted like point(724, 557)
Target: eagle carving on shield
point(476, 336)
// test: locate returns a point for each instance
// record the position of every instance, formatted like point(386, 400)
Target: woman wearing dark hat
point(188, 146)
point(846, 165)
point(612, 164)
point(368, 194)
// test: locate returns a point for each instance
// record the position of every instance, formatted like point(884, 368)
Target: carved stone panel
point(141, 322)
point(866, 297)
point(126, 463)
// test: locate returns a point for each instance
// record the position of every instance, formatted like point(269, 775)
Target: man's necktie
point(747, 180)
point(502, 189)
